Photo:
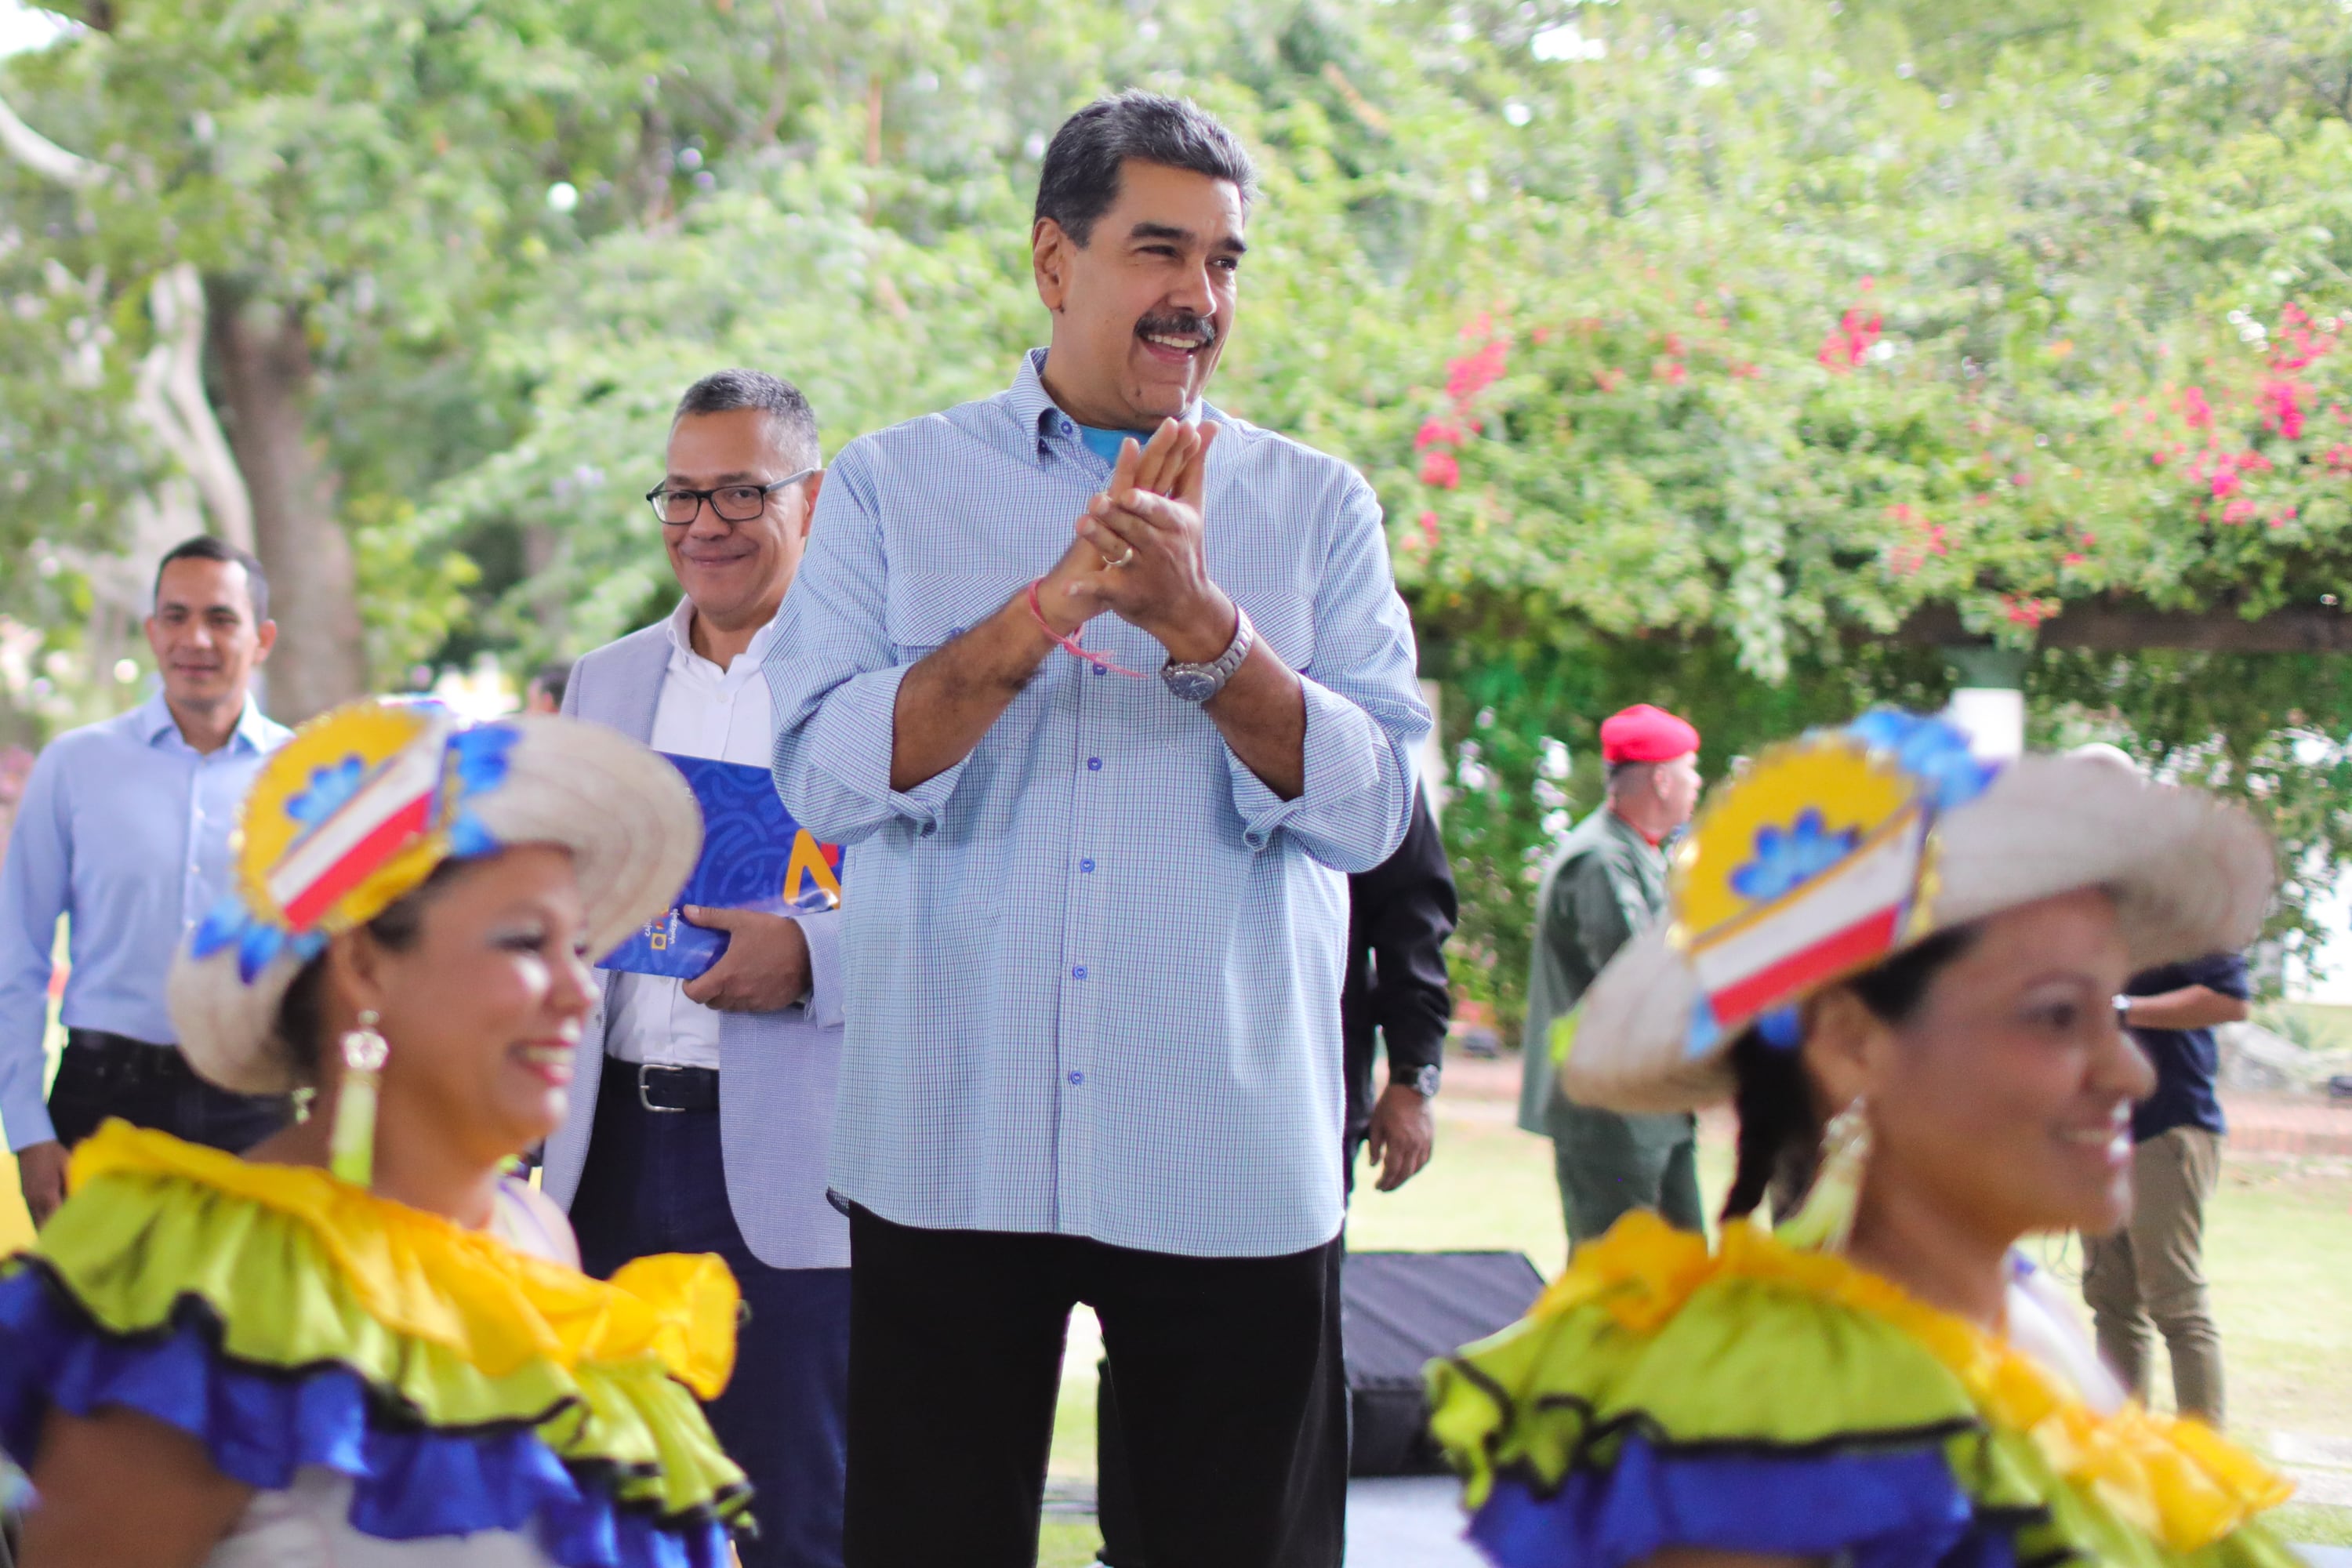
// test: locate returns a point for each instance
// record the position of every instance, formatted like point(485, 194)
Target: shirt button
point(1080, 973)
point(955, 631)
point(1068, 429)
point(1094, 764)
point(1077, 1076)
point(1102, 669)
point(1086, 865)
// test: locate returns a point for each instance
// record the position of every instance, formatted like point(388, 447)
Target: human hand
point(1069, 596)
point(1161, 464)
point(765, 968)
point(41, 1170)
point(1160, 580)
point(1403, 1131)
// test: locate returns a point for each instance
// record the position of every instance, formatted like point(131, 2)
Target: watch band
point(1195, 683)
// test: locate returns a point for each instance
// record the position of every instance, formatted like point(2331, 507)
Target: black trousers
point(104, 1076)
point(1316, 1535)
point(956, 1342)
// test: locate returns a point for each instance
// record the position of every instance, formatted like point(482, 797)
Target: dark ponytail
point(1777, 1124)
point(1780, 1119)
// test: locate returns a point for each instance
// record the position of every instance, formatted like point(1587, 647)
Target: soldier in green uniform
point(1607, 882)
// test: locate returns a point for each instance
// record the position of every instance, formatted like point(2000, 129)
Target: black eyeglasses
point(733, 503)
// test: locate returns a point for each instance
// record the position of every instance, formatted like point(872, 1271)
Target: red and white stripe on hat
point(1843, 921)
point(391, 809)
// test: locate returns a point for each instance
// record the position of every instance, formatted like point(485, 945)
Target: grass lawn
point(2327, 1026)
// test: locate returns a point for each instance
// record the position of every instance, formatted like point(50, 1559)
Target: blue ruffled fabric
point(261, 1426)
point(1896, 1507)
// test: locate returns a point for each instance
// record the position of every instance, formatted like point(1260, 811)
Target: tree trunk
point(264, 359)
point(542, 547)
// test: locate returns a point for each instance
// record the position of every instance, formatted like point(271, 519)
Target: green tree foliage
point(1694, 349)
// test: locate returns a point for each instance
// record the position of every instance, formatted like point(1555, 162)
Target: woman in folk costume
point(363, 1344)
point(1899, 965)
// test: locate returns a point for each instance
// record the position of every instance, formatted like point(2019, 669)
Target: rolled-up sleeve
point(34, 880)
point(834, 677)
point(1364, 711)
point(823, 933)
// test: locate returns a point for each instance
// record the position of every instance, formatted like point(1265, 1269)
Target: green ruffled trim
point(1750, 1366)
point(137, 1253)
point(2054, 1521)
point(1741, 1363)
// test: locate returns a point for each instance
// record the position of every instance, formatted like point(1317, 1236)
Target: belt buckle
point(643, 1068)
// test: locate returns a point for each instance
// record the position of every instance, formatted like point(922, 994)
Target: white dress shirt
point(704, 711)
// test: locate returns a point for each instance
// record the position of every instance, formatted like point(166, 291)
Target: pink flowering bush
point(1671, 451)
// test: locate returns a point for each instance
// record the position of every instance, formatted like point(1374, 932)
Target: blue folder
point(755, 856)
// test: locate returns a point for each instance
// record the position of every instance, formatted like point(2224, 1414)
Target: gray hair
point(1080, 179)
point(791, 421)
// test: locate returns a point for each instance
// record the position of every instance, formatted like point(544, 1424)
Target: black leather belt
point(122, 1061)
point(677, 1089)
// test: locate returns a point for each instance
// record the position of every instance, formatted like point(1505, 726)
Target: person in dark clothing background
point(1606, 882)
point(1399, 915)
point(2148, 1278)
point(1396, 994)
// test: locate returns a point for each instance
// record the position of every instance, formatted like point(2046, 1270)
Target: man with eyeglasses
point(654, 1156)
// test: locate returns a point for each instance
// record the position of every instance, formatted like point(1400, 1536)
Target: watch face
point(1194, 684)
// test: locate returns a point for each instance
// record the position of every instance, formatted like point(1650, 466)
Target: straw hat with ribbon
point(1835, 852)
point(360, 806)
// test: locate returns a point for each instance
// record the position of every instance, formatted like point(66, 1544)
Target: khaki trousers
point(2151, 1274)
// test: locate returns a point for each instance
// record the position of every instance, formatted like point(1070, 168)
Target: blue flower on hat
point(1930, 750)
point(480, 758)
point(1787, 858)
point(256, 941)
point(1703, 1031)
point(331, 787)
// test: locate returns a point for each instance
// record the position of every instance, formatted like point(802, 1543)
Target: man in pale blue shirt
point(124, 831)
point(1096, 919)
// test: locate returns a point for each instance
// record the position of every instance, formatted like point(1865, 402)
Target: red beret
point(1645, 734)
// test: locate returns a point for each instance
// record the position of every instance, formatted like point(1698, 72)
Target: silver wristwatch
point(1422, 1081)
point(1199, 682)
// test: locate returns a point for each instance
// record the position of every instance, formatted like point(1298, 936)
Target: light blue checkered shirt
point(1093, 971)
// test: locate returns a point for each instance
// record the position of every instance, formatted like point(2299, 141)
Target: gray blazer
point(778, 1071)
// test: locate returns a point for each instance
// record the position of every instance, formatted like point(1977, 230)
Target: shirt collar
point(680, 625)
point(257, 728)
point(1036, 410)
point(253, 728)
point(1625, 825)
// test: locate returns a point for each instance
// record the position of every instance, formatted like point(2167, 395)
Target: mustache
point(1180, 324)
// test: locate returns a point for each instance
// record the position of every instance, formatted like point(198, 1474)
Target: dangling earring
point(352, 1145)
point(1825, 1219)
